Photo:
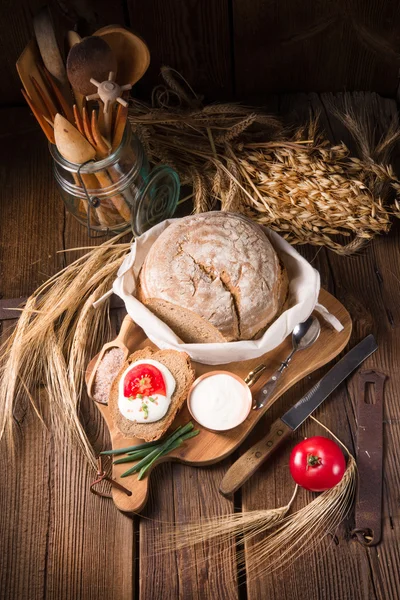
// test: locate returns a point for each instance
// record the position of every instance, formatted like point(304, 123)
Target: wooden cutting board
point(210, 447)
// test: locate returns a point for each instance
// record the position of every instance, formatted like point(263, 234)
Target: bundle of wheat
point(276, 537)
point(296, 183)
point(57, 333)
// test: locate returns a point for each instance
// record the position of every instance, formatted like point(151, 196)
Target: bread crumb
point(107, 371)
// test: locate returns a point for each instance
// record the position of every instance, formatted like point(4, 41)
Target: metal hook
point(93, 203)
point(363, 535)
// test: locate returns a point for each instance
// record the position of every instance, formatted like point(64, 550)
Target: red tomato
point(317, 464)
point(144, 380)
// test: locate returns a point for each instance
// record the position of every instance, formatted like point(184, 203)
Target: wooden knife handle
point(246, 465)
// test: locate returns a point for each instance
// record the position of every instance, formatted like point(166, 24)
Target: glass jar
point(118, 192)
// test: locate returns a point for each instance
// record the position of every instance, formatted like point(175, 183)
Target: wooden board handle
point(126, 332)
point(246, 465)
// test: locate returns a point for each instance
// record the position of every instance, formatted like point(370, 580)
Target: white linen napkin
point(304, 287)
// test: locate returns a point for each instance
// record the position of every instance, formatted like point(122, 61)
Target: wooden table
point(58, 541)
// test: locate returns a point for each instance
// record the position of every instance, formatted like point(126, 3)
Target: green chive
point(173, 446)
point(189, 435)
point(131, 448)
point(177, 433)
point(133, 456)
point(141, 463)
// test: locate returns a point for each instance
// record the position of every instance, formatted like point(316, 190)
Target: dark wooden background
point(57, 541)
point(241, 49)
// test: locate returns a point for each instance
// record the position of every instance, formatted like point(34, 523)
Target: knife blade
point(283, 427)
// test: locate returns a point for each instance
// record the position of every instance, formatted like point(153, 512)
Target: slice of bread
point(181, 368)
point(188, 326)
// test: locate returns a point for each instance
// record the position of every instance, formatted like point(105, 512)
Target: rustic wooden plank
point(315, 46)
point(30, 215)
point(30, 234)
point(337, 571)
point(179, 494)
point(59, 540)
point(192, 37)
point(24, 522)
point(373, 280)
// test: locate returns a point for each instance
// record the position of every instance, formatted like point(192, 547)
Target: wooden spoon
point(131, 52)
point(46, 98)
point(72, 39)
point(119, 125)
point(70, 143)
point(78, 120)
point(49, 50)
point(126, 340)
point(103, 147)
point(86, 126)
point(62, 101)
point(91, 58)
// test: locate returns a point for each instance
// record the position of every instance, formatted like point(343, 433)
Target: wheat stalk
point(274, 537)
point(224, 528)
point(305, 530)
point(55, 337)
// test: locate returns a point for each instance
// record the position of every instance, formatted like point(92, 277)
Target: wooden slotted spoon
point(27, 67)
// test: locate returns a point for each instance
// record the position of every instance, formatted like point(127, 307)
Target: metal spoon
point(303, 336)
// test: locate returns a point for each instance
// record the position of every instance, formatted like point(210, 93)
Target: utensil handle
point(128, 327)
point(250, 461)
point(267, 390)
point(255, 374)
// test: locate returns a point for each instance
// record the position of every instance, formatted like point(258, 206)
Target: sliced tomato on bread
point(144, 380)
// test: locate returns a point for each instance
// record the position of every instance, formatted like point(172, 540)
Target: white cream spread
point(220, 402)
point(156, 409)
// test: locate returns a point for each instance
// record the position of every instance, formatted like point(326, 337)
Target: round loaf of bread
point(213, 277)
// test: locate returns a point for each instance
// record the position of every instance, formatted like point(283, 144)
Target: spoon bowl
point(306, 333)
point(131, 52)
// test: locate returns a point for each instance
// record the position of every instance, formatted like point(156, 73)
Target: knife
point(282, 428)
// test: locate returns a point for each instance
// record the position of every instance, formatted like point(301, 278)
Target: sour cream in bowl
point(219, 400)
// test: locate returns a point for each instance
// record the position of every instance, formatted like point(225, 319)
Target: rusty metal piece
point(368, 528)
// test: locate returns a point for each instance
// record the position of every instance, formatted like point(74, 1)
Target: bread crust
point(221, 267)
point(181, 368)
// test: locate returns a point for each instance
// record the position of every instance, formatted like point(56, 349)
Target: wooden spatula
point(27, 67)
point(130, 335)
point(41, 119)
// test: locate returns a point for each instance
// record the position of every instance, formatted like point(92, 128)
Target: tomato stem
point(313, 461)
